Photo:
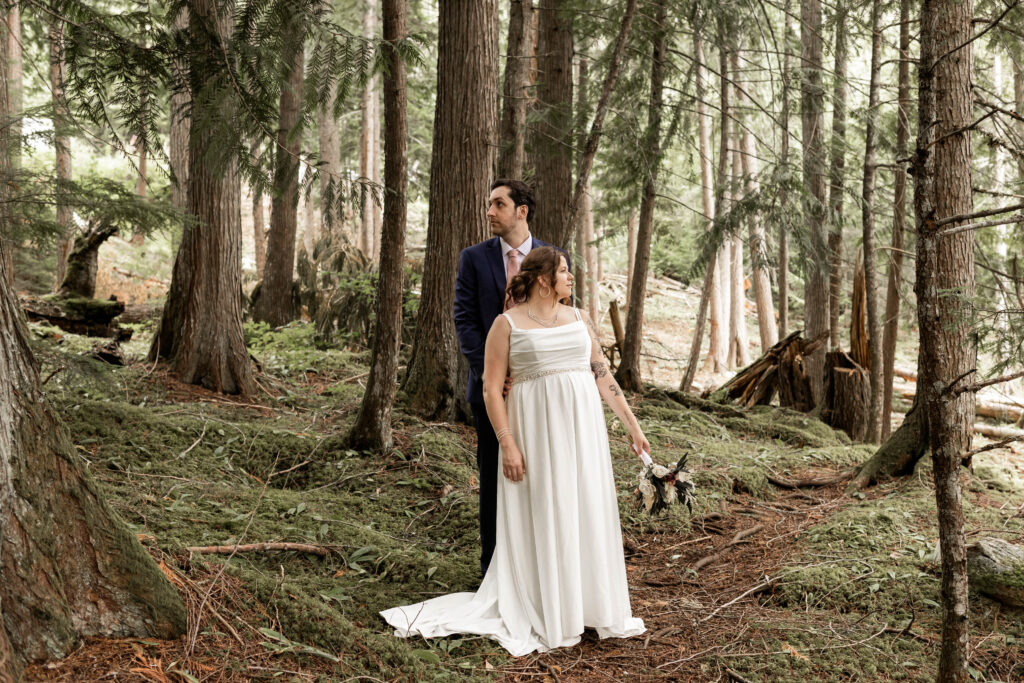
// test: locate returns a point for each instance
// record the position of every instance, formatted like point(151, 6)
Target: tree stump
point(847, 395)
point(996, 569)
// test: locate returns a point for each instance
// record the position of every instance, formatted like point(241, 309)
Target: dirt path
point(689, 613)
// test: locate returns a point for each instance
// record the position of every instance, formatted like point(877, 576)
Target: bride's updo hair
point(540, 261)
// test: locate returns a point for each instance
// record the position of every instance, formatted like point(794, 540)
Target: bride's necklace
point(542, 321)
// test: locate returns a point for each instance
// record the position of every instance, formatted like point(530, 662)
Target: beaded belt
point(544, 373)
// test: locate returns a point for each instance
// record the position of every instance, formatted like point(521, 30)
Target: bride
point(558, 565)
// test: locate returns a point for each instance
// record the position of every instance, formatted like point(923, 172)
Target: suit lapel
point(497, 264)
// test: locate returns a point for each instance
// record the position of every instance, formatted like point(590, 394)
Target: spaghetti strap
point(509, 319)
point(577, 312)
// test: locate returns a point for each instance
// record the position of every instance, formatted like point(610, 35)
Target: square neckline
point(516, 328)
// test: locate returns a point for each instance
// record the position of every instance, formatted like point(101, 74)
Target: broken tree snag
point(996, 569)
point(847, 395)
point(89, 317)
point(80, 274)
point(780, 369)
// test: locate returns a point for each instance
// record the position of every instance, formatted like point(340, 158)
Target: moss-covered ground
point(819, 584)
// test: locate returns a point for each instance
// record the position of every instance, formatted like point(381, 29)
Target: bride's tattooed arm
point(609, 388)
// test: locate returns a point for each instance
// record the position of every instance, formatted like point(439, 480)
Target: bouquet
point(658, 486)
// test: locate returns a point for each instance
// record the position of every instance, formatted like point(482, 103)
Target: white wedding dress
point(558, 564)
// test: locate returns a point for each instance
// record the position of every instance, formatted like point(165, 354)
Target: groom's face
point(501, 212)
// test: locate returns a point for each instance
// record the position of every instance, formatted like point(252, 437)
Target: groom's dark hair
point(519, 192)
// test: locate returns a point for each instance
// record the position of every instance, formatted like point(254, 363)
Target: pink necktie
point(511, 270)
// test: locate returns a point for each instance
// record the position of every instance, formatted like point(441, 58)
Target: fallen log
point(89, 317)
point(993, 432)
point(996, 410)
point(996, 568)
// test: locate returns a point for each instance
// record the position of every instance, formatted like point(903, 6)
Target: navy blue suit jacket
point(479, 299)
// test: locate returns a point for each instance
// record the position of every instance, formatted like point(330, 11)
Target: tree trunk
point(372, 428)
point(593, 139)
point(892, 298)
point(945, 287)
point(760, 279)
point(720, 299)
point(179, 124)
point(62, 147)
point(631, 228)
point(70, 569)
point(874, 325)
point(460, 168)
point(275, 302)
point(784, 163)
point(628, 372)
point(368, 134)
point(329, 145)
point(15, 81)
point(259, 232)
point(593, 301)
point(708, 204)
point(812, 133)
point(739, 352)
point(899, 454)
point(200, 331)
point(579, 256)
point(846, 395)
point(552, 135)
point(512, 136)
point(837, 170)
point(80, 273)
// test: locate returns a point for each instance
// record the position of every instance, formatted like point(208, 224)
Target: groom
point(484, 272)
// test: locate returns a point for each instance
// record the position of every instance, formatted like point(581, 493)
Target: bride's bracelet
point(502, 434)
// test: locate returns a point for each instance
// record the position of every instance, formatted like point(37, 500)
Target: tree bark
point(784, 162)
point(372, 428)
point(367, 146)
point(892, 299)
point(631, 228)
point(70, 569)
point(460, 168)
point(739, 353)
point(180, 123)
point(812, 133)
point(512, 137)
point(329, 145)
point(945, 287)
point(874, 324)
point(628, 372)
point(708, 204)
point(760, 278)
point(15, 81)
point(551, 138)
point(837, 176)
point(62, 147)
point(200, 330)
point(582, 113)
point(593, 139)
point(259, 232)
point(720, 300)
point(275, 302)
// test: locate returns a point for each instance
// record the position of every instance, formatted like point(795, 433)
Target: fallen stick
point(259, 547)
point(768, 583)
point(740, 535)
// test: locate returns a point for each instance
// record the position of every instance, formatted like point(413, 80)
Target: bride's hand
point(513, 465)
point(639, 443)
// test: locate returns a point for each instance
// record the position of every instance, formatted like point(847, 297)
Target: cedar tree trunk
point(372, 428)
point(460, 167)
point(200, 330)
point(837, 175)
point(275, 303)
point(512, 136)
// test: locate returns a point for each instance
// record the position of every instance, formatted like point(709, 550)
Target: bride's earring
point(542, 288)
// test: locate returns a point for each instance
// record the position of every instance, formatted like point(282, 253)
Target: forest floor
point(761, 583)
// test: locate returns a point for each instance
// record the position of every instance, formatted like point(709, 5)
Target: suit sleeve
point(469, 328)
